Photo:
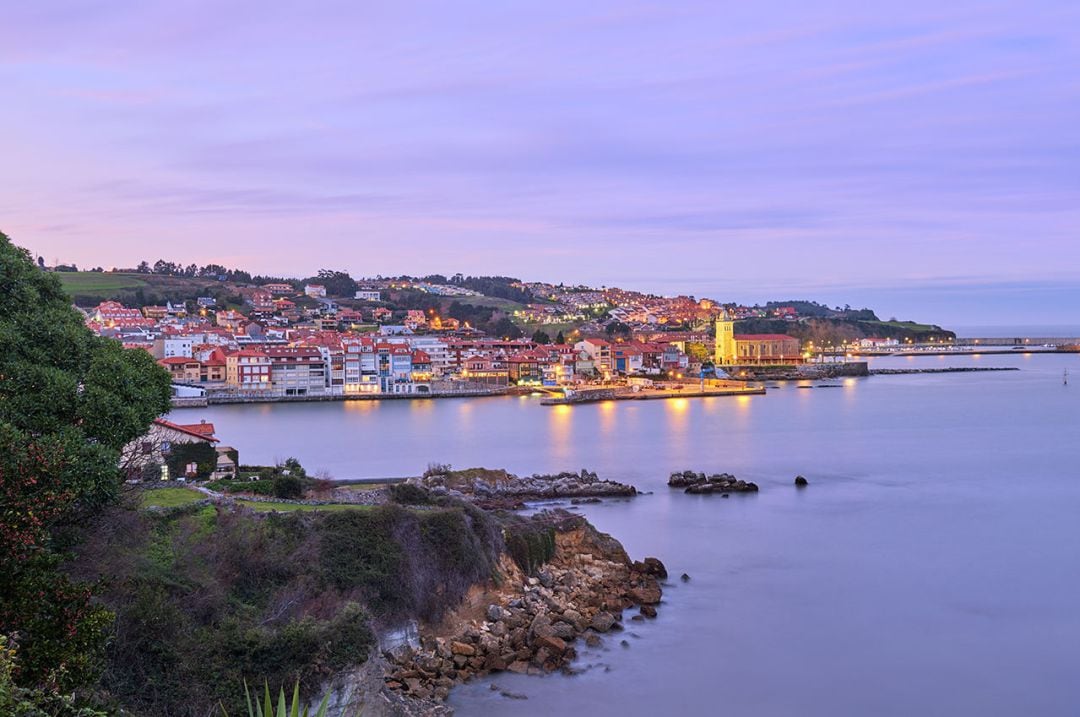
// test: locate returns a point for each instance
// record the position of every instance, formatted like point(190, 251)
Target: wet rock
point(645, 595)
point(653, 566)
point(701, 484)
point(554, 645)
point(801, 482)
point(593, 640)
point(648, 611)
point(685, 578)
point(603, 621)
point(564, 631)
point(498, 489)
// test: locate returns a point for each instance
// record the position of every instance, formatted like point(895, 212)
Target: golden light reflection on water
point(607, 418)
point(361, 406)
point(560, 428)
point(677, 411)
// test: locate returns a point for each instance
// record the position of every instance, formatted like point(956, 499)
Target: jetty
point(652, 393)
point(952, 369)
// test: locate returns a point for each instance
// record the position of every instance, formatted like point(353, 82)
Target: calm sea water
point(932, 567)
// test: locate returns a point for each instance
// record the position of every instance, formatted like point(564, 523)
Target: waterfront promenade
point(642, 393)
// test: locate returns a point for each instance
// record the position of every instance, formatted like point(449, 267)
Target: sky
point(922, 158)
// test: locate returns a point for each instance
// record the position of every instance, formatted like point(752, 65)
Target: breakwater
point(952, 369)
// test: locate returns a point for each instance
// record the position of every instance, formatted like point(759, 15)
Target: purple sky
point(923, 158)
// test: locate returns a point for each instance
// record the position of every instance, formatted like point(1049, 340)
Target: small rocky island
point(700, 483)
point(498, 489)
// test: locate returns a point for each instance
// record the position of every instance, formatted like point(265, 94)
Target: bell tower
point(725, 340)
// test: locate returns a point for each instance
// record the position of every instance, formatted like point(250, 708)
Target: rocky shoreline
point(700, 483)
point(498, 489)
point(526, 624)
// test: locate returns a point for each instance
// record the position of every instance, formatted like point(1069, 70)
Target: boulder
point(801, 482)
point(602, 621)
point(462, 648)
point(564, 631)
point(648, 611)
point(554, 645)
point(645, 595)
point(653, 566)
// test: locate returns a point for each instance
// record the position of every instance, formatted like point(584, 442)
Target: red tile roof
point(188, 429)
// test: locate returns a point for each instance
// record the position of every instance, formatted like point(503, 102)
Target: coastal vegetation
point(209, 596)
point(69, 402)
point(838, 331)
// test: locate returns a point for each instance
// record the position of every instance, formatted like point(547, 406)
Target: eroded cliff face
point(521, 623)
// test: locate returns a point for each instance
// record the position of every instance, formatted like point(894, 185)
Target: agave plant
point(265, 708)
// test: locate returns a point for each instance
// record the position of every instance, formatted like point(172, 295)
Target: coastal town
point(225, 336)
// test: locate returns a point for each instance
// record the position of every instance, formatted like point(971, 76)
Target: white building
point(369, 295)
point(173, 347)
point(442, 360)
point(315, 291)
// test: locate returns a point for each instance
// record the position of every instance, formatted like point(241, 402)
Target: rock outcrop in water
point(491, 488)
point(529, 623)
point(699, 483)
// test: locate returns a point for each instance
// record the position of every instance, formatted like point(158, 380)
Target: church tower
point(725, 340)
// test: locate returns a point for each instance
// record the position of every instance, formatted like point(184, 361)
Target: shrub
point(288, 486)
point(204, 602)
point(409, 494)
point(357, 550)
point(437, 469)
point(529, 544)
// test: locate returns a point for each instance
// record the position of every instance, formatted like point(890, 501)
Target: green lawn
point(91, 282)
point(364, 486)
point(170, 497)
point(266, 507)
point(505, 305)
point(909, 325)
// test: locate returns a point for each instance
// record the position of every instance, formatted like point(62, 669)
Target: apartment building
point(248, 370)
point(298, 371)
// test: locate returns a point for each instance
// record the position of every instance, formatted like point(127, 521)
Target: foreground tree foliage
point(69, 401)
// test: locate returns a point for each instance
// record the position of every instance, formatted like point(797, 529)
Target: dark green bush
point(530, 545)
point(288, 486)
point(207, 600)
point(358, 551)
point(409, 494)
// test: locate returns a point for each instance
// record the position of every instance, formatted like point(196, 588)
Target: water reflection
point(560, 430)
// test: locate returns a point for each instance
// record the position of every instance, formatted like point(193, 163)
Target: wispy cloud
point(854, 148)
